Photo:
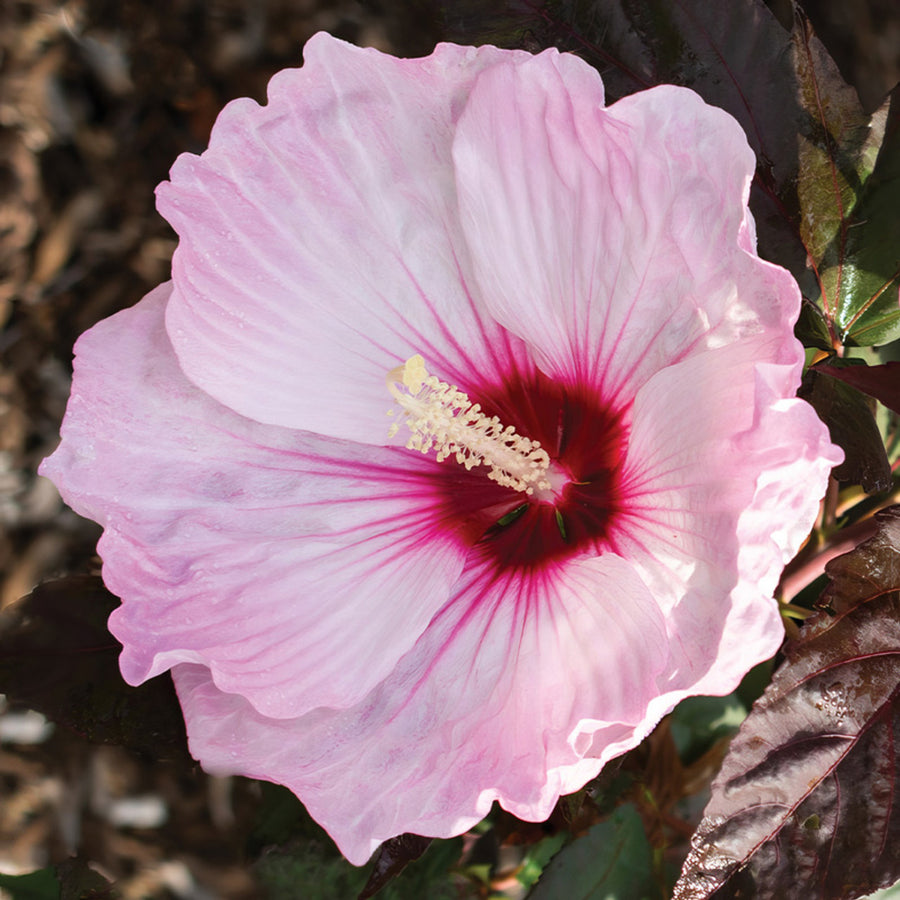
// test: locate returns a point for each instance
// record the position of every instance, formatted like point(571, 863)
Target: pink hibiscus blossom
point(594, 471)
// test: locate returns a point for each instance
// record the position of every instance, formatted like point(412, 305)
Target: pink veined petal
point(612, 240)
point(787, 491)
point(717, 454)
point(320, 244)
point(298, 569)
point(500, 699)
point(798, 457)
point(685, 485)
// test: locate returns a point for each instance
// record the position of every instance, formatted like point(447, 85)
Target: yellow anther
point(442, 418)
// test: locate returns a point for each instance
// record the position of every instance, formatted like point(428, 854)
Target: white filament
point(442, 418)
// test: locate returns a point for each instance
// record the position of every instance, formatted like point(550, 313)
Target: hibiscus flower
point(593, 470)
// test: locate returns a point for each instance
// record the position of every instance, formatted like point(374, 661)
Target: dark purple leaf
point(392, 858)
point(851, 424)
point(869, 570)
point(57, 656)
point(881, 382)
point(807, 801)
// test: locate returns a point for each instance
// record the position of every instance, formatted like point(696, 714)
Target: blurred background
point(97, 98)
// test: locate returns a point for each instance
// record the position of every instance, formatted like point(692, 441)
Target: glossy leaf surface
point(868, 312)
point(836, 154)
point(807, 796)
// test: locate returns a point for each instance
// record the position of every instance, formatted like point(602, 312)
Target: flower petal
point(319, 241)
point(613, 241)
point(796, 457)
point(501, 698)
point(718, 452)
point(298, 569)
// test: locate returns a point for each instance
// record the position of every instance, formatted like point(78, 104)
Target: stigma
point(442, 419)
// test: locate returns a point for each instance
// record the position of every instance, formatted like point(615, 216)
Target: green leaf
point(504, 24)
point(812, 328)
point(849, 190)
point(868, 313)
point(836, 153)
point(304, 870)
point(698, 722)
point(281, 818)
point(613, 860)
point(538, 857)
point(40, 885)
point(72, 879)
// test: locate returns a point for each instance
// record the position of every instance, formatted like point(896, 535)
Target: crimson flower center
point(531, 473)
